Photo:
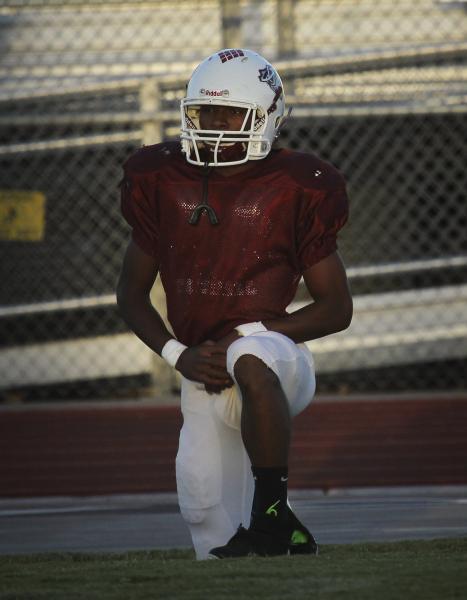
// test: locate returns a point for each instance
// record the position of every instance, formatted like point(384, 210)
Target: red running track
point(131, 449)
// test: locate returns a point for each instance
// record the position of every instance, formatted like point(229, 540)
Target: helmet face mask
point(222, 147)
point(244, 81)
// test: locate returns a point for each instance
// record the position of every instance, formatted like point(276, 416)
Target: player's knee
point(252, 374)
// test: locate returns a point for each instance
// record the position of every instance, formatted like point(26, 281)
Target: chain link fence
point(378, 88)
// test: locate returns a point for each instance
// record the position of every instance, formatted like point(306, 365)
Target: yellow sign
point(22, 216)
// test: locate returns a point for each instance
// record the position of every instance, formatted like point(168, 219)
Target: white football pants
point(214, 480)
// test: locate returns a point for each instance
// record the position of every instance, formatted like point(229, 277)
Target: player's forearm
point(315, 320)
point(143, 319)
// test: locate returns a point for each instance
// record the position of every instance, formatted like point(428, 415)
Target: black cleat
point(301, 540)
point(253, 542)
point(249, 542)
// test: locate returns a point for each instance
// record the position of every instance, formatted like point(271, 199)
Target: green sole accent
point(298, 537)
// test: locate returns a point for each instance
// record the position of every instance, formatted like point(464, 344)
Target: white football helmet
point(235, 78)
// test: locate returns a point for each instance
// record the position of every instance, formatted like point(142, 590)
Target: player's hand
point(223, 343)
point(206, 364)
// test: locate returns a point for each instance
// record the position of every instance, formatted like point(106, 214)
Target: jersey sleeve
point(139, 209)
point(323, 213)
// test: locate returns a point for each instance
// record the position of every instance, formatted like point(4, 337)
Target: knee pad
point(291, 363)
point(198, 466)
point(193, 516)
point(249, 345)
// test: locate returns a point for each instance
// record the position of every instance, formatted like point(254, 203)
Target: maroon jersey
point(276, 220)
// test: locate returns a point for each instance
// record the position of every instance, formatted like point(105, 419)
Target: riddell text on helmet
point(216, 93)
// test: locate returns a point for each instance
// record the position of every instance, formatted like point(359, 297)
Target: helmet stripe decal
point(226, 55)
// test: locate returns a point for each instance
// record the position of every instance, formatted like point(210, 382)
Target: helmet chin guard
point(235, 78)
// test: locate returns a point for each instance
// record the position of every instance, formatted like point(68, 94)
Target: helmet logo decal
point(268, 75)
point(226, 55)
point(216, 93)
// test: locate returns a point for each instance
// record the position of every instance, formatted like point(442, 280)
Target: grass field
point(428, 570)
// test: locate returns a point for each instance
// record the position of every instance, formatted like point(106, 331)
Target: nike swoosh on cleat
point(272, 509)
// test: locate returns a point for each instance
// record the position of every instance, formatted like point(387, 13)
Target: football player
point(232, 224)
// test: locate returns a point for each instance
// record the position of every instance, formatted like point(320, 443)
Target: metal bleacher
point(393, 328)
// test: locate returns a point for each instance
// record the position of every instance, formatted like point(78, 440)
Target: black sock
point(269, 510)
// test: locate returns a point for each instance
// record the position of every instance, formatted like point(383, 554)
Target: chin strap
point(204, 204)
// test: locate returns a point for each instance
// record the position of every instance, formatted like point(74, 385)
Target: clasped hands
point(206, 363)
